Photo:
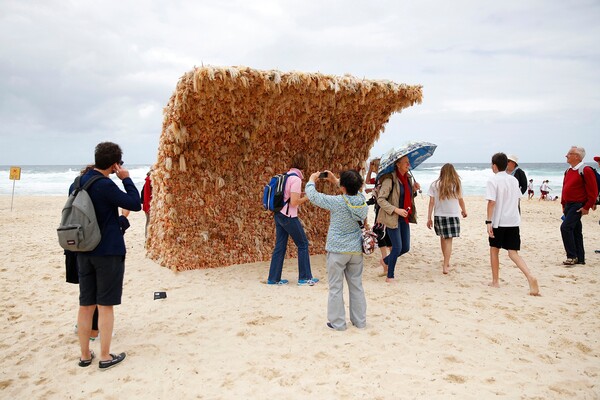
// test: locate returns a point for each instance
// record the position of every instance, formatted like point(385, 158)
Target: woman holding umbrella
point(397, 210)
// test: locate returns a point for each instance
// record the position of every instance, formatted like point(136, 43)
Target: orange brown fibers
point(227, 130)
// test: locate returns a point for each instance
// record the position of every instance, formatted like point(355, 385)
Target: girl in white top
point(446, 199)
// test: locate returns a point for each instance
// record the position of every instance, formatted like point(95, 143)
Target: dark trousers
point(284, 228)
point(400, 238)
point(572, 233)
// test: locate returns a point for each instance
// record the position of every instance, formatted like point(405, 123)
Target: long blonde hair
point(448, 183)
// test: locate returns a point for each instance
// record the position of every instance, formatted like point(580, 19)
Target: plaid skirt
point(446, 227)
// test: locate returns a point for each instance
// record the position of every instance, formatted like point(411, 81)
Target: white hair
point(579, 150)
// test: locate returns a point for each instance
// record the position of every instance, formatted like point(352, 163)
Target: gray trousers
point(350, 266)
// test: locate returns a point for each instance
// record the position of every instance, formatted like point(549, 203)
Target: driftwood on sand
point(227, 130)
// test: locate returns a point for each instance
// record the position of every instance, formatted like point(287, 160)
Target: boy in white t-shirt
point(503, 220)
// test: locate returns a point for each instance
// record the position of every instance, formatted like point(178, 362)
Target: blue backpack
point(273, 193)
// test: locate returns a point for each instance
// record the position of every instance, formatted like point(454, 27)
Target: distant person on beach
point(373, 168)
point(146, 197)
point(344, 246)
point(544, 190)
point(530, 192)
point(578, 196)
point(503, 220)
point(288, 224)
point(513, 169)
point(397, 210)
point(101, 270)
point(446, 205)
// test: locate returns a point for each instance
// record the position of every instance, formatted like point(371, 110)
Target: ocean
point(54, 180)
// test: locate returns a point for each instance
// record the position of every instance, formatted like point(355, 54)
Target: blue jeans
point(400, 238)
point(284, 228)
point(572, 232)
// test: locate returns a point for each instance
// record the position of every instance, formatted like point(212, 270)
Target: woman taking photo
point(397, 210)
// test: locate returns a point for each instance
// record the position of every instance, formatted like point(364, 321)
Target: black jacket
point(522, 178)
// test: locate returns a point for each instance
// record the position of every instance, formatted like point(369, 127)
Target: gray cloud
point(514, 76)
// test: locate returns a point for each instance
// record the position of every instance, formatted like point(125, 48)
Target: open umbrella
point(417, 152)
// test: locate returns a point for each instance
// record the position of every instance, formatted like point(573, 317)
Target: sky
point(521, 77)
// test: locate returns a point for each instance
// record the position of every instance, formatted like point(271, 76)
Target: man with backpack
point(101, 270)
point(579, 194)
point(287, 224)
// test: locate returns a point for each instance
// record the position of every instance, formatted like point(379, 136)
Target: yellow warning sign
point(15, 173)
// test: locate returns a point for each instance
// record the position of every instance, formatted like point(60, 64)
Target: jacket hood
point(357, 206)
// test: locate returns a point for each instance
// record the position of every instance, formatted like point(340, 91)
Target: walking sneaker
point(307, 282)
point(281, 282)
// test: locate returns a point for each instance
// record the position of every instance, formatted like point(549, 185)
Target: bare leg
point(385, 251)
point(106, 320)
point(446, 245)
point(84, 329)
point(534, 289)
point(495, 263)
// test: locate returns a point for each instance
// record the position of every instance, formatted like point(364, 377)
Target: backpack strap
point(91, 181)
point(77, 183)
point(287, 203)
point(581, 173)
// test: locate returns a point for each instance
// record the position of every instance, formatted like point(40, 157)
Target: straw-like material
point(227, 130)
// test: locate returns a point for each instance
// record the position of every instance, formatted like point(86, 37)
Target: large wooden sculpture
point(226, 131)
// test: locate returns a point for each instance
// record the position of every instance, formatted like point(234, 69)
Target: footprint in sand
point(5, 384)
point(455, 378)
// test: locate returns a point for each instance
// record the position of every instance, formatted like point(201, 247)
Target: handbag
point(369, 240)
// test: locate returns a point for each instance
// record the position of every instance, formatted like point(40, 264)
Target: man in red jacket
point(146, 198)
point(578, 196)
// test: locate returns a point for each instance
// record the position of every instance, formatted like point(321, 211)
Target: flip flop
point(87, 363)
point(115, 359)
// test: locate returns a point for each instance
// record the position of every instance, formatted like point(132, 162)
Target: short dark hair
point(106, 154)
point(500, 160)
point(352, 181)
point(299, 161)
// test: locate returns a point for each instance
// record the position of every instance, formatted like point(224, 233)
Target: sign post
point(15, 175)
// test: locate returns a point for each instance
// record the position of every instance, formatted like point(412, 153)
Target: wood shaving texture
point(227, 130)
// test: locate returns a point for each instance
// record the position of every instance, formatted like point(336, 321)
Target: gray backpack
point(78, 229)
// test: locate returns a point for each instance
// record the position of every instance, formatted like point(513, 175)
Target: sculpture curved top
point(227, 130)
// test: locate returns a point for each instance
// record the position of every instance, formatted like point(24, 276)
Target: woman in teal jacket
point(344, 246)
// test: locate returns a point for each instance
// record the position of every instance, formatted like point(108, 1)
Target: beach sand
point(222, 334)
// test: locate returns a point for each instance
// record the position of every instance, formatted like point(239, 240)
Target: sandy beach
point(222, 334)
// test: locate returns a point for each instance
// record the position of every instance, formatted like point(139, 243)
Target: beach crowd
point(100, 272)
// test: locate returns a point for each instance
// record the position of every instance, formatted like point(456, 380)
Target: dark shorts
point(530, 192)
point(506, 237)
point(100, 279)
point(383, 239)
point(385, 242)
point(446, 227)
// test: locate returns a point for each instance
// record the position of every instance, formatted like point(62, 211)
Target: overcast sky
point(516, 76)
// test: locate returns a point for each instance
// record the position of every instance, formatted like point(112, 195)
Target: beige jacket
point(389, 200)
